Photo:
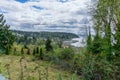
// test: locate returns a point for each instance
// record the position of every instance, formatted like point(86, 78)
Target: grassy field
point(27, 68)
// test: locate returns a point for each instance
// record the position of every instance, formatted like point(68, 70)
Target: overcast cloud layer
point(46, 15)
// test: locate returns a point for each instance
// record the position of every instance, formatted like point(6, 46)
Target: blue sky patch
point(63, 1)
point(22, 1)
point(38, 7)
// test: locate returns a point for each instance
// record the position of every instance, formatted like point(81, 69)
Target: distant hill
point(52, 35)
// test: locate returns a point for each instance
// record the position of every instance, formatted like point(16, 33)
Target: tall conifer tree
point(6, 36)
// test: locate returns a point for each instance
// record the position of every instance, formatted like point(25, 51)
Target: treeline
point(53, 35)
point(33, 37)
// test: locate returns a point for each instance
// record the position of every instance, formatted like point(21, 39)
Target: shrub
point(94, 68)
point(76, 67)
point(66, 54)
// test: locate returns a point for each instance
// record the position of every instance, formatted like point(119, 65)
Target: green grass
point(29, 68)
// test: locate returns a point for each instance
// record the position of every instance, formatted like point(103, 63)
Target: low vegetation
point(26, 68)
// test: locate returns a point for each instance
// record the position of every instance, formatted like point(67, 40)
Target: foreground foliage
point(6, 36)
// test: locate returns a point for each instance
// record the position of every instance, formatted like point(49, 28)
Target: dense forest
point(54, 35)
point(45, 35)
point(25, 36)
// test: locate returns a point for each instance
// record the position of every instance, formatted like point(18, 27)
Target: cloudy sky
point(46, 15)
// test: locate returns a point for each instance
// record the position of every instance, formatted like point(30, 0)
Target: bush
point(96, 67)
point(76, 67)
point(66, 54)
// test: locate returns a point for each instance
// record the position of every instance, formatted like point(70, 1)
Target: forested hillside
point(45, 35)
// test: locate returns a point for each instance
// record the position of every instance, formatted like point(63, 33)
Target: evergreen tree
point(106, 16)
point(34, 51)
point(28, 51)
point(48, 45)
point(103, 15)
point(6, 36)
point(89, 41)
point(22, 50)
point(37, 50)
point(41, 54)
point(97, 45)
point(7, 50)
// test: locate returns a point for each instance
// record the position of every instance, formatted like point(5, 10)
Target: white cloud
point(61, 14)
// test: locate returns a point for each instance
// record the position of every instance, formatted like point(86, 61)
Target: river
point(75, 42)
point(78, 42)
